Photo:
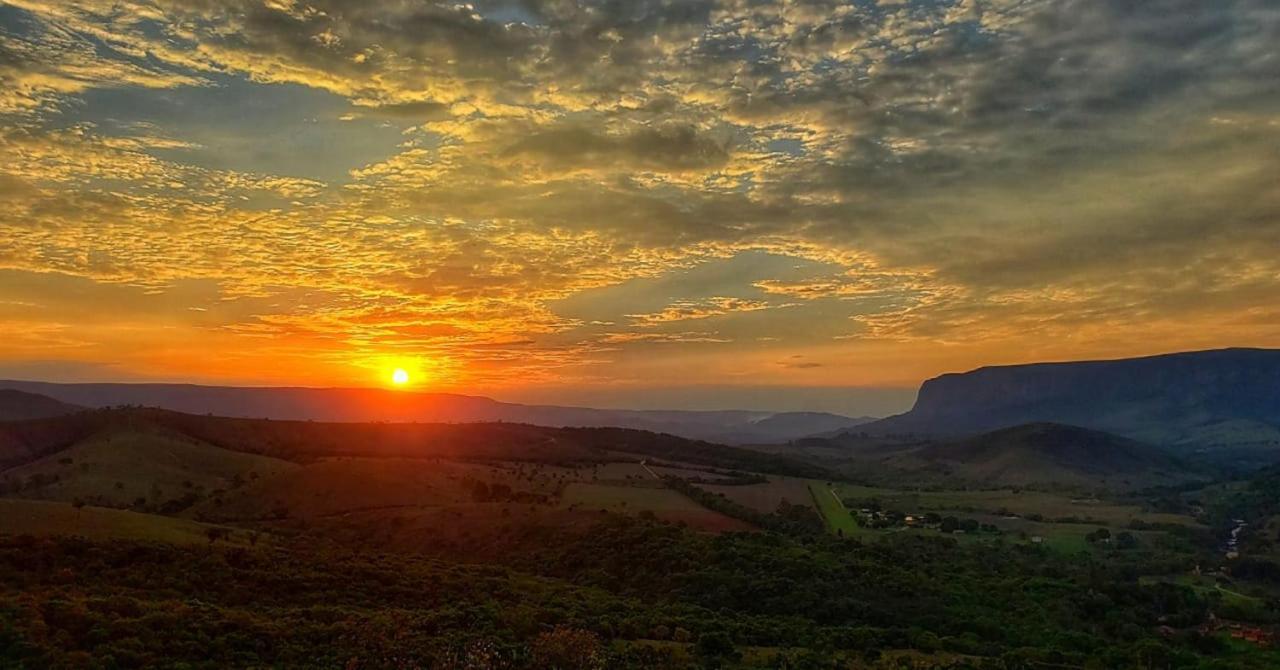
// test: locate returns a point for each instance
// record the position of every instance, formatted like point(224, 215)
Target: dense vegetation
point(630, 593)
point(511, 546)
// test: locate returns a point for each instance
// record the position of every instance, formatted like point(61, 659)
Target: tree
point(950, 524)
point(715, 648)
point(566, 648)
point(215, 534)
point(1151, 655)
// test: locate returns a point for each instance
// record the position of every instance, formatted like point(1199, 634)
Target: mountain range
point(1226, 398)
point(21, 405)
point(353, 405)
point(1009, 424)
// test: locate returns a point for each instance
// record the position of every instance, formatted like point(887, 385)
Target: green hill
point(306, 441)
point(24, 441)
point(332, 486)
point(1049, 454)
point(1243, 435)
point(47, 518)
point(121, 466)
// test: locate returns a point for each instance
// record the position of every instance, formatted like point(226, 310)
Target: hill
point(339, 485)
point(123, 465)
point(1174, 399)
point(1049, 454)
point(356, 405)
point(306, 441)
point(786, 426)
point(24, 441)
point(20, 405)
point(42, 518)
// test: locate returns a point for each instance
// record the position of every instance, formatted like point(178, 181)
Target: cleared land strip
point(649, 470)
point(833, 511)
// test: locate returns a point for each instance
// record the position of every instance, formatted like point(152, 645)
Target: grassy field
point(1060, 537)
point(838, 519)
point(41, 518)
point(1020, 502)
point(625, 498)
point(339, 485)
point(613, 472)
point(1208, 586)
point(123, 466)
point(766, 497)
point(117, 468)
point(1005, 509)
point(662, 502)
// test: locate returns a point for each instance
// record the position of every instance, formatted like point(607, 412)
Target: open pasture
point(48, 518)
point(768, 496)
point(339, 485)
point(119, 467)
point(1023, 503)
point(664, 503)
point(1225, 592)
point(478, 531)
point(1006, 509)
point(624, 498)
point(833, 511)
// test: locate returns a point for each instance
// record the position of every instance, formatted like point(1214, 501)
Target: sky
point(805, 204)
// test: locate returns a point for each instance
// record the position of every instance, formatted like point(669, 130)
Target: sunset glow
point(640, 334)
point(632, 199)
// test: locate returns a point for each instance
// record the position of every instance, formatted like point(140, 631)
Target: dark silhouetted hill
point(23, 442)
point(365, 405)
point(1228, 397)
point(20, 405)
point(1050, 453)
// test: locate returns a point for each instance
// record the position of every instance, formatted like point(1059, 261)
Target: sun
point(399, 377)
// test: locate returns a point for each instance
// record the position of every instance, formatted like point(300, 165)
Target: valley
point(639, 335)
point(516, 545)
point(625, 537)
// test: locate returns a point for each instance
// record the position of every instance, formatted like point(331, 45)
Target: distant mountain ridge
point(1193, 399)
point(20, 405)
point(364, 405)
point(24, 442)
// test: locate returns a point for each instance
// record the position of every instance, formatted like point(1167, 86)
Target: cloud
point(798, 362)
point(41, 65)
point(950, 174)
point(664, 338)
point(689, 310)
point(421, 111)
point(673, 149)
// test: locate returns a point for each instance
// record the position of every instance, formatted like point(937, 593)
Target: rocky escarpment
point(1168, 399)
